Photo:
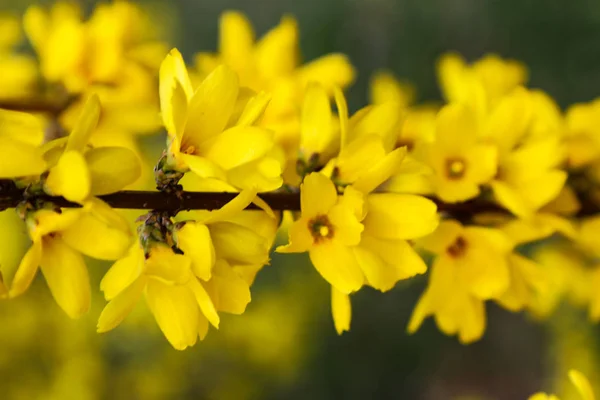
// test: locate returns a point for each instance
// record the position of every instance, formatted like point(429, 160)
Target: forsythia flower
point(58, 238)
point(272, 64)
point(17, 72)
point(21, 135)
point(77, 172)
point(578, 380)
point(205, 134)
point(186, 289)
point(470, 267)
point(461, 161)
point(328, 229)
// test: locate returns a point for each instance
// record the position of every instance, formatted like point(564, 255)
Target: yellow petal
point(67, 277)
point(317, 195)
point(168, 267)
point(338, 265)
point(22, 127)
point(385, 262)
point(329, 70)
point(347, 228)
point(380, 172)
point(202, 326)
point(455, 127)
point(120, 307)
point(385, 88)
point(263, 175)
point(195, 242)
point(112, 169)
point(276, 53)
point(175, 90)
point(204, 302)
point(300, 238)
point(399, 216)
point(543, 396)
point(20, 159)
point(315, 128)
point(239, 145)
point(70, 178)
point(236, 39)
point(443, 236)
point(342, 109)
point(176, 312)
point(228, 291)
point(123, 272)
point(202, 166)
point(85, 125)
point(341, 310)
point(95, 238)
point(382, 120)
point(254, 109)
point(27, 270)
point(582, 384)
point(238, 244)
point(232, 208)
point(212, 105)
point(353, 160)
point(511, 199)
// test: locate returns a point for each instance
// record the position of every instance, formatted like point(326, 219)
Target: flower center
point(458, 248)
point(191, 149)
point(455, 168)
point(320, 228)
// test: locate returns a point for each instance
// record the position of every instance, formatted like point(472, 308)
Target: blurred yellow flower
point(578, 380)
point(58, 239)
point(460, 159)
point(470, 267)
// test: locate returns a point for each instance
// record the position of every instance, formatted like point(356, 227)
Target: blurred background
point(285, 345)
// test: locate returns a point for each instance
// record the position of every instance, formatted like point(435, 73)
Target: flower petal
point(338, 265)
point(204, 302)
point(120, 307)
point(27, 270)
point(400, 216)
point(112, 169)
point(195, 242)
point(123, 272)
point(176, 312)
point(239, 145)
point(85, 125)
point(317, 195)
point(167, 267)
point(20, 159)
point(67, 277)
point(341, 310)
point(229, 292)
point(70, 177)
point(211, 105)
point(315, 129)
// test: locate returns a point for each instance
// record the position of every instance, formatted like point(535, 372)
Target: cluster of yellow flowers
point(478, 185)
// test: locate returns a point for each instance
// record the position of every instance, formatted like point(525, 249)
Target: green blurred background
point(285, 346)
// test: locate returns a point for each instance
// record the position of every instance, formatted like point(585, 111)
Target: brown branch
point(53, 106)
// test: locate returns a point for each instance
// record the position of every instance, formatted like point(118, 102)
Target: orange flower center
point(455, 168)
point(320, 228)
point(458, 248)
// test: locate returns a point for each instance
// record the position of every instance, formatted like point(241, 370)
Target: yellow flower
point(461, 161)
point(77, 172)
point(20, 138)
point(368, 156)
point(272, 64)
point(328, 228)
point(582, 134)
point(482, 84)
point(528, 174)
point(470, 267)
point(18, 72)
point(211, 271)
point(581, 383)
point(58, 239)
point(208, 138)
point(80, 53)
